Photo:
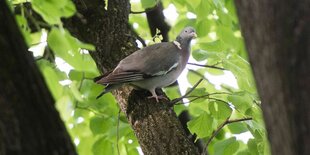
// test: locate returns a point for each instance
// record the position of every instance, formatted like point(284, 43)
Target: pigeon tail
point(109, 88)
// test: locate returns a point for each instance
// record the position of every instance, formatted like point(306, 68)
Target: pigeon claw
point(157, 98)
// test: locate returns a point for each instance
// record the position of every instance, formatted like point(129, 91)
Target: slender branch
point(216, 99)
point(91, 110)
point(146, 10)
point(187, 93)
point(204, 96)
point(117, 131)
point(77, 106)
point(239, 120)
point(208, 66)
point(198, 74)
point(137, 37)
point(32, 19)
point(141, 40)
point(227, 121)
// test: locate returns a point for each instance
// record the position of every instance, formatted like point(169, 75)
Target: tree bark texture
point(29, 122)
point(155, 124)
point(277, 36)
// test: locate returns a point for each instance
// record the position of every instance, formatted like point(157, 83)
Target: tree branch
point(146, 10)
point(219, 128)
point(186, 94)
point(208, 66)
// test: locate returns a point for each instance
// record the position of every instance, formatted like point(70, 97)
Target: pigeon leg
point(154, 95)
point(162, 97)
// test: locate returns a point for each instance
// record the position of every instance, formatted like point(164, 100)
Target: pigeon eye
point(186, 31)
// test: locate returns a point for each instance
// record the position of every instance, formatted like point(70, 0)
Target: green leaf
point(242, 71)
point(197, 91)
point(68, 48)
point(214, 71)
point(201, 125)
point(237, 128)
point(74, 87)
point(198, 107)
point(219, 110)
point(193, 4)
point(226, 147)
point(252, 145)
point(214, 46)
point(241, 103)
point(226, 34)
point(100, 125)
point(218, 3)
point(23, 26)
point(200, 55)
point(148, 3)
point(53, 10)
point(103, 146)
point(54, 76)
point(202, 10)
point(224, 18)
point(203, 27)
point(76, 75)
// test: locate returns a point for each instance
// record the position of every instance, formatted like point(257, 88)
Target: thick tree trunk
point(29, 122)
point(155, 124)
point(277, 36)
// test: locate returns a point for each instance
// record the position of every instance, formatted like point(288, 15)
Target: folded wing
point(154, 60)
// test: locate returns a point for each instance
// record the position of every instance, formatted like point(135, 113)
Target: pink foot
point(157, 98)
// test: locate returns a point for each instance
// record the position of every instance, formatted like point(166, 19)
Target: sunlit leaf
point(219, 110)
point(148, 3)
point(201, 125)
point(53, 10)
point(102, 146)
point(49, 70)
point(226, 147)
point(237, 128)
point(100, 125)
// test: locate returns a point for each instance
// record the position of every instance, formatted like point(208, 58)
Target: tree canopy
point(227, 118)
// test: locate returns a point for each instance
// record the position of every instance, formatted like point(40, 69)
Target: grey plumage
point(152, 67)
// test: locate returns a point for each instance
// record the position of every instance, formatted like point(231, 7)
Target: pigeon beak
point(194, 35)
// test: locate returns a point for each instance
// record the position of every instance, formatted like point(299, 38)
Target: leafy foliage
point(93, 123)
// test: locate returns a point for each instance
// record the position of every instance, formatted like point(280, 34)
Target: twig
point(216, 99)
point(146, 10)
point(117, 131)
point(208, 66)
point(32, 19)
point(186, 94)
point(141, 40)
point(137, 38)
point(227, 121)
point(91, 110)
point(198, 74)
point(207, 95)
point(80, 87)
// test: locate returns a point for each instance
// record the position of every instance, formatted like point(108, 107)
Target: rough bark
point(277, 36)
point(29, 122)
point(155, 124)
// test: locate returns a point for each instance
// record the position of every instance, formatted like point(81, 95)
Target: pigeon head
point(186, 35)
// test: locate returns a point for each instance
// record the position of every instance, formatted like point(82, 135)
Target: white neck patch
point(176, 43)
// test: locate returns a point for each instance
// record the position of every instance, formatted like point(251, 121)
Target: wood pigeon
point(152, 67)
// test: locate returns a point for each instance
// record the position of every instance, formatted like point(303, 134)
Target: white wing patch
point(165, 72)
